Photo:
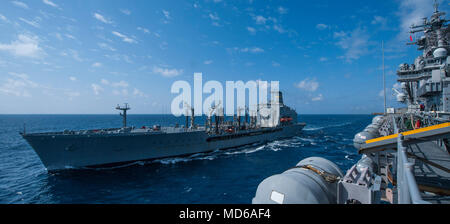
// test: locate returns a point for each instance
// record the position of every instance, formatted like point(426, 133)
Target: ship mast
point(124, 113)
point(436, 6)
point(384, 78)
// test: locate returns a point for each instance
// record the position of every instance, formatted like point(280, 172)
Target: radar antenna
point(124, 113)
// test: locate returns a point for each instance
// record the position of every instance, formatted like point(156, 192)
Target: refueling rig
point(405, 152)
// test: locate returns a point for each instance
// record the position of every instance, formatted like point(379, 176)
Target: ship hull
point(59, 152)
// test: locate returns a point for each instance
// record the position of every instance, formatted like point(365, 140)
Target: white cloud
point(260, 19)
point(137, 92)
point(97, 65)
point(323, 59)
point(251, 30)
point(24, 46)
point(167, 17)
point(215, 19)
point(310, 85)
point(72, 78)
point(167, 72)
point(97, 89)
point(126, 12)
point(214, 16)
point(20, 4)
point(354, 43)
point(72, 53)
point(379, 20)
point(279, 28)
point(145, 30)
point(254, 50)
point(50, 3)
point(31, 23)
point(18, 85)
point(166, 14)
point(269, 23)
point(3, 18)
point(70, 36)
point(122, 84)
point(317, 98)
point(123, 92)
point(282, 10)
point(119, 57)
point(14, 87)
point(102, 18)
point(127, 59)
point(106, 46)
point(104, 82)
point(275, 64)
point(321, 26)
point(208, 62)
point(124, 37)
point(118, 88)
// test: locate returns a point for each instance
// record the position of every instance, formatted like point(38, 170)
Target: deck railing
point(407, 188)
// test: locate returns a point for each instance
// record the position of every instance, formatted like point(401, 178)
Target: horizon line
point(171, 114)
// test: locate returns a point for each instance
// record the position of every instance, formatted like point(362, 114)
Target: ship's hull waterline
point(60, 152)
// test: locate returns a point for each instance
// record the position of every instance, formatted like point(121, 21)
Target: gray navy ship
point(405, 151)
point(111, 147)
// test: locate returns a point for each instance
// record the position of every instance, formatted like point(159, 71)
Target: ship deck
point(431, 161)
point(431, 171)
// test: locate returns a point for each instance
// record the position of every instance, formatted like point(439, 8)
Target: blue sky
point(87, 56)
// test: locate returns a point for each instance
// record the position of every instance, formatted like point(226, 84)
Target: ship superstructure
point(425, 83)
point(110, 147)
point(405, 151)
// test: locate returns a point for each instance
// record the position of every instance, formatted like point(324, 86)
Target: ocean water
point(230, 177)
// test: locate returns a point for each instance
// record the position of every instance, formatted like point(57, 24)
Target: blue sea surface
point(229, 177)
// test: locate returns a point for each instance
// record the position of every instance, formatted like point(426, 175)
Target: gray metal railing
point(407, 188)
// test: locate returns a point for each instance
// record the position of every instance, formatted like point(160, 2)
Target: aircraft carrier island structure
point(109, 147)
